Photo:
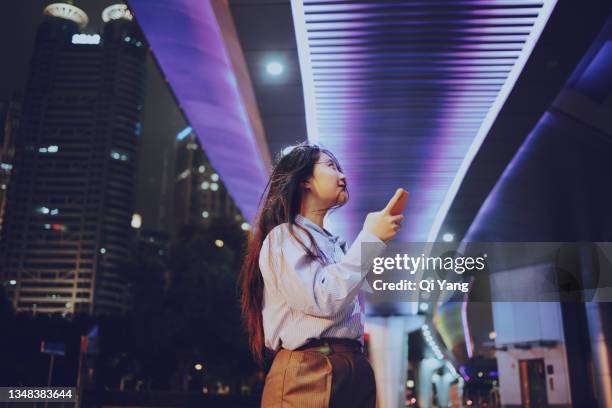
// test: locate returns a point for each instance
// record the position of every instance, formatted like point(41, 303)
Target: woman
point(301, 286)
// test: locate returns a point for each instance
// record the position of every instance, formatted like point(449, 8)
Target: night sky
point(162, 119)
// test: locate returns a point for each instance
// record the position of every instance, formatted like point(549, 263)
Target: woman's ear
point(306, 185)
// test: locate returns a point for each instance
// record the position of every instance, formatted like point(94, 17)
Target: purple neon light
point(411, 30)
point(321, 25)
point(403, 93)
point(525, 5)
point(334, 39)
point(187, 42)
point(464, 373)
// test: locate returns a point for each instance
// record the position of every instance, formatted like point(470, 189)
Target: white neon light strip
point(536, 31)
point(301, 36)
point(466, 330)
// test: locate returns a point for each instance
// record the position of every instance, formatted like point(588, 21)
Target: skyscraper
point(70, 200)
point(10, 114)
point(199, 194)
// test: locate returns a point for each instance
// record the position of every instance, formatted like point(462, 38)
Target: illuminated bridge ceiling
point(405, 92)
point(195, 44)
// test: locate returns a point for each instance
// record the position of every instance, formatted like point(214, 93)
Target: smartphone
point(400, 204)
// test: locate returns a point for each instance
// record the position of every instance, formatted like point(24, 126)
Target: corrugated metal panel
point(404, 92)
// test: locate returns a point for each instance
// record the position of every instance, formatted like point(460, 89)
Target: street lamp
point(274, 68)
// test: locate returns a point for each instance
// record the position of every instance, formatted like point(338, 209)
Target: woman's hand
point(381, 223)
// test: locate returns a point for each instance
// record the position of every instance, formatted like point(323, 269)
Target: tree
point(195, 316)
point(205, 262)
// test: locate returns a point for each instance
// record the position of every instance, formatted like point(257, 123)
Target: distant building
point(10, 115)
point(199, 194)
point(155, 245)
point(70, 199)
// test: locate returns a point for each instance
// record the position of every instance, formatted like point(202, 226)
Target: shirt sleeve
point(307, 285)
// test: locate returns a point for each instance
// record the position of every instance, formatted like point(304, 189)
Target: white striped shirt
point(304, 299)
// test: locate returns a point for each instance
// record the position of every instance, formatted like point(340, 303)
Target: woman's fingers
point(396, 219)
point(393, 201)
point(384, 226)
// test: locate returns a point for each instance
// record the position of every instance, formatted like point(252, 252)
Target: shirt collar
point(306, 223)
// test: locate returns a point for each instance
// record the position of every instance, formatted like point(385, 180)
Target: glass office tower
point(70, 200)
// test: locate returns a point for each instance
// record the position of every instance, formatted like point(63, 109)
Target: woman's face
point(327, 184)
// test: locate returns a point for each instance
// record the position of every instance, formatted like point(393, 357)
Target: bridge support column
point(388, 352)
point(426, 370)
point(443, 386)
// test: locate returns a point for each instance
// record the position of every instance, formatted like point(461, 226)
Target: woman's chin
point(342, 198)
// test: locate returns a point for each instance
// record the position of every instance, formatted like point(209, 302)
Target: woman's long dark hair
point(280, 203)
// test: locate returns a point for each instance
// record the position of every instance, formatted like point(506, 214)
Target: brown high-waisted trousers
point(322, 374)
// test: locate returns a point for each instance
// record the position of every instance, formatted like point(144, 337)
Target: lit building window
point(86, 39)
point(214, 186)
point(102, 250)
point(204, 214)
point(136, 220)
point(118, 155)
point(218, 243)
point(45, 210)
point(205, 185)
point(214, 177)
point(49, 149)
point(192, 146)
point(202, 169)
point(183, 133)
point(184, 174)
point(6, 166)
